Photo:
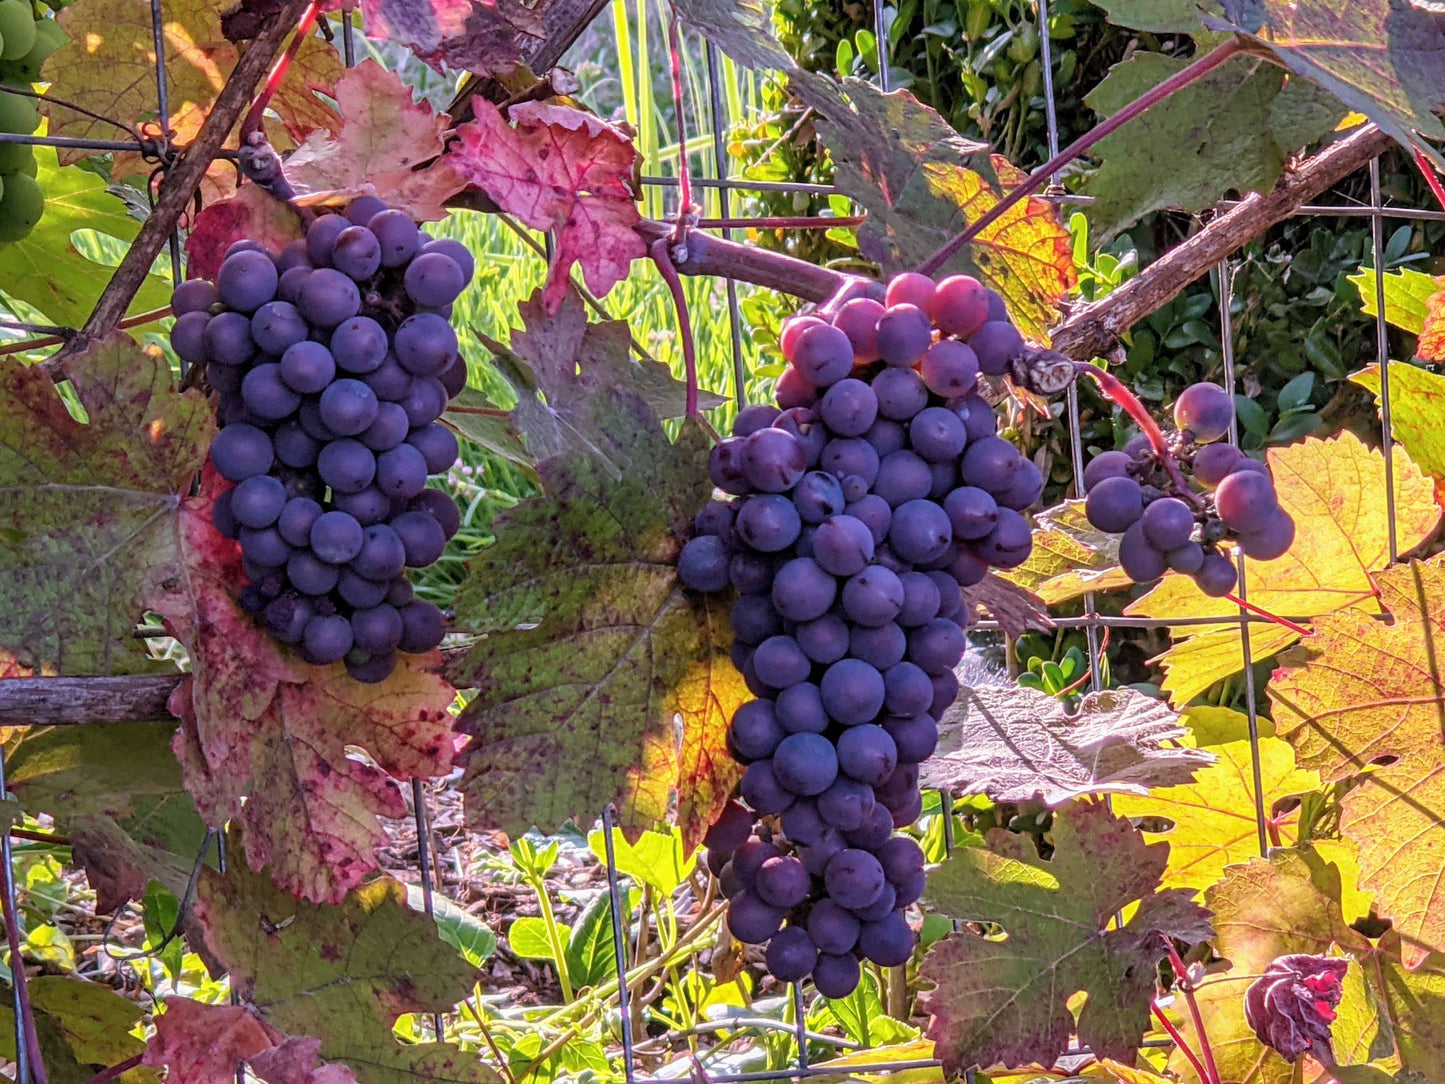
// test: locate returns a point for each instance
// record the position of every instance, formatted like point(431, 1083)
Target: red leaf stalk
point(782, 223)
point(1432, 178)
point(252, 121)
point(1262, 612)
point(1187, 988)
point(684, 172)
point(1184, 1047)
point(665, 268)
point(1116, 390)
point(1039, 177)
point(116, 1070)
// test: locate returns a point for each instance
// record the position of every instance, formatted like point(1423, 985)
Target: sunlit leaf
point(1407, 296)
point(1417, 412)
point(1069, 557)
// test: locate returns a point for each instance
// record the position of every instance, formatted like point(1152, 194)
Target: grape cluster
point(332, 362)
point(1129, 493)
point(858, 508)
point(26, 39)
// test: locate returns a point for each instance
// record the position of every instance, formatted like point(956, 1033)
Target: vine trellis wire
point(1090, 621)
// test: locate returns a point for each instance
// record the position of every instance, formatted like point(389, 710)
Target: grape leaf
point(1363, 698)
point(116, 792)
point(564, 170)
point(599, 679)
point(1006, 1001)
point(1266, 908)
point(1185, 152)
point(1213, 816)
point(259, 724)
point(1016, 609)
point(89, 510)
point(1417, 412)
point(1382, 58)
point(921, 183)
point(1069, 556)
point(1160, 16)
point(199, 1042)
point(743, 29)
point(1016, 744)
point(108, 65)
point(341, 973)
point(83, 1027)
point(252, 214)
point(47, 270)
point(1335, 490)
point(478, 36)
point(1407, 295)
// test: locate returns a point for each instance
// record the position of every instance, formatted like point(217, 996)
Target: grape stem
point(1117, 391)
point(1262, 612)
point(660, 256)
point(63, 335)
point(686, 209)
point(1184, 1047)
point(252, 121)
point(1039, 177)
point(1187, 988)
point(782, 223)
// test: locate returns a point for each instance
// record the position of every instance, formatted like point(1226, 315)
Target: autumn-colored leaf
point(1007, 1000)
point(1069, 556)
point(116, 792)
point(1016, 745)
point(259, 724)
point(558, 168)
point(478, 36)
point(1213, 817)
point(1407, 295)
point(342, 973)
point(741, 28)
point(1382, 58)
point(198, 1043)
point(252, 214)
point(83, 1027)
point(1016, 609)
point(599, 679)
point(89, 509)
point(1335, 490)
point(1363, 698)
point(921, 183)
point(108, 65)
point(1417, 411)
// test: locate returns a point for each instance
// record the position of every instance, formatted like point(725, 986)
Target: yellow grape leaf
point(1345, 856)
point(1417, 410)
point(1122, 1074)
point(1069, 557)
point(1210, 726)
point(108, 65)
point(1214, 820)
point(1335, 490)
point(1363, 698)
point(856, 1066)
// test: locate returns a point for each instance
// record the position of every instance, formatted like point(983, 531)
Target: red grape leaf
point(921, 183)
point(83, 1027)
point(250, 213)
point(1007, 1000)
point(1017, 745)
point(258, 723)
point(1382, 58)
point(199, 1042)
point(384, 137)
point(479, 36)
point(599, 679)
point(559, 169)
point(88, 510)
point(341, 973)
point(1362, 699)
point(109, 66)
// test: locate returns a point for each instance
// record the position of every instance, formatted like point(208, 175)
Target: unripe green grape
point(17, 29)
point(48, 38)
point(17, 158)
point(18, 114)
point(21, 206)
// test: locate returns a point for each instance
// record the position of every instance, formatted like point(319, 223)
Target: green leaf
point(1296, 394)
point(161, 910)
point(658, 859)
point(599, 679)
point(90, 509)
point(342, 973)
point(458, 927)
point(1007, 1001)
point(1407, 296)
point(527, 938)
point(83, 1027)
point(591, 954)
point(861, 1017)
point(1160, 16)
point(477, 419)
point(1417, 412)
point(1382, 58)
point(48, 270)
point(1220, 126)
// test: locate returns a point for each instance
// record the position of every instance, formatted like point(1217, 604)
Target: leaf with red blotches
point(250, 214)
point(384, 137)
point(599, 678)
point(1431, 345)
point(88, 510)
point(479, 36)
point(259, 723)
point(564, 170)
point(1008, 1000)
point(340, 973)
point(108, 65)
point(197, 1043)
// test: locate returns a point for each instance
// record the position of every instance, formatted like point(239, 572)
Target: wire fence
point(1090, 621)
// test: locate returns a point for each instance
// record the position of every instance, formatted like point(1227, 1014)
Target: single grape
point(996, 344)
point(1027, 488)
point(1188, 558)
point(909, 288)
point(381, 556)
point(858, 319)
point(441, 507)
point(376, 629)
point(799, 709)
point(752, 921)
point(288, 286)
point(936, 647)
point(389, 380)
point(843, 545)
point(780, 662)
point(773, 461)
point(750, 573)
point(904, 334)
point(730, 830)
point(1140, 559)
point(1217, 576)
point(854, 878)
point(920, 531)
point(971, 511)
point(847, 457)
point(752, 418)
point(1270, 541)
point(264, 546)
point(886, 436)
point(459, 253)
point(347, 466)
point(401, 471)
point(1213, 463)
point(849, 407)
point(188, 336)
point(915, 736)
point(399, 594)
point(832, 928)
point(311, 575)
point(836, 975)
point(901, 393)
point(807, 429)
point(949, 368)
point(901, 858)
point(804, 764)
point(227, 339)
point(703, 564)
point(1204, 411)
point(425, 401)
point(358, 345)
point(879, 908)
point(794, 391)
point(293, 255)
point(326, 297)
point(802, 591)
point(258, 501)
point(434, 279)
point(422, 627)
point(421, 536)
point(321, 236)
point(768, 522)
point(783, 881)
point(348, 407)
point(960, 305)
point(397, 236)
point(968, 566)
point(364, 208)
point(287, 616)
point(1114, 504)
point(425, 343)
point(390, 429)
point(242, 451)
point(817, 496)
point(267, 395)
point(867, 753)
point(327, 639)
point(276, 326)
point(1107, 465)
point(371, 670)
point(979, 418)
point(908, 690)
point(873, 597)
point(903, 476)
point(222, 518)
point(852, 691)
point(725, 466)
point(356, 253)
point(921, 599)
point(754, 619)
point(824, 639)
point(888, 942)
point(873, 511)
point(822, 355)
point(193, 295)
point(367, 505)
point(247, 280)
point(307, 367)
point(336, 537)
point(880, 647)
point(1167, 522)
point(1246, 501)
point(1009, 543)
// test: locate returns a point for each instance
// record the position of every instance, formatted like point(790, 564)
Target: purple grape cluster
point(857, 509)
point(332, 362)
point(1129, 493)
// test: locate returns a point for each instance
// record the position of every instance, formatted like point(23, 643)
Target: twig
point(1184, 1047)
point(1041, 176)
point(252, 121)
point(799, 222)
point(26, 92)
point(1182, 981)
point(36, 329)
point(20, 982)
point(181, 181)
point(40, 837)
point(659, 253)
point(116, 1070)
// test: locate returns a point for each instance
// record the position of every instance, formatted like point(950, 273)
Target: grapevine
point(331, 362)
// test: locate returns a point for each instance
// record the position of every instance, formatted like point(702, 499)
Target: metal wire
point(1382, 353)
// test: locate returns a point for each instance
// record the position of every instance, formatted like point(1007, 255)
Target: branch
point(1094, 330)
point(181, 181)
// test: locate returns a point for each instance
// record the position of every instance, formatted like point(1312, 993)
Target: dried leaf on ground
point(1016, 745)
point(1007, 1000)
point(1335, 491)
point(600, 679)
